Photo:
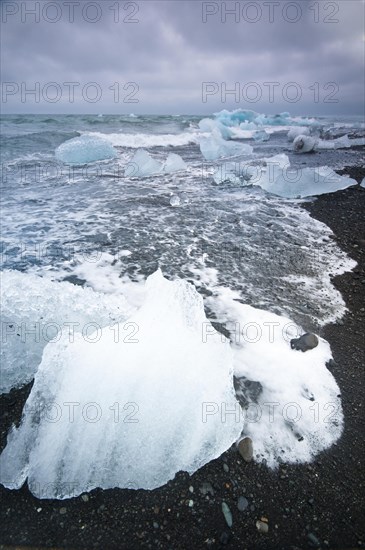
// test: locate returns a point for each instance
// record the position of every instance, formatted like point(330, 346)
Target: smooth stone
point(206, 488)
point(313, 540)
point(227, 514)
point(245, 448)
point(224, 538)
point(306, 342)
point(262, 527)
point(242, 504)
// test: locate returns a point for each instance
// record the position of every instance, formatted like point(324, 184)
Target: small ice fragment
point(174, 163)
point(261, 136)
point(175, 200)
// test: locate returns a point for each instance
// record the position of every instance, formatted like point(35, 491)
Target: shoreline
point(307, 506)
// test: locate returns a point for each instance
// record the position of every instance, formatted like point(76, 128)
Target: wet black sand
point(317, 505)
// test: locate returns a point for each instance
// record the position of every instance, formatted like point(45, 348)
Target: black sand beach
point(312, 506)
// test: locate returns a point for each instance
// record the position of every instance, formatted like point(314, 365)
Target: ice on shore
point(36, 311)
point(304, 144)
point(298, 131)
point(215, 147)
point(280, 178)
point(291, 402)
point(303, 182)
point(143, 402)
point(143, 165)
point(85, 149)
point(362, 184)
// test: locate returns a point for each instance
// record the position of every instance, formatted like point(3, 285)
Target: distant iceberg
point(239, 116)
point(85, 149)
point(305, 143)
point(142, 165)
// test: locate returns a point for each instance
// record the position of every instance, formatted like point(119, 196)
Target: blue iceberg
point(85, 149)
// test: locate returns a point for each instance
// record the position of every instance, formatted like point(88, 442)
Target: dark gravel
point(311, 506)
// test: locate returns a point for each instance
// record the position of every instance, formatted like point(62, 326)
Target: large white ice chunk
point(143, 165)
point(295, 409)
point(304, 144)
point(35, 311)
point(85, 149)
point(174, 163)
point(145, 405)
point(215, 147)
point(242, 116)
point(298, 131)
point(303, 182)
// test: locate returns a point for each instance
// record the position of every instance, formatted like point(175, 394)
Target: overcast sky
point(182, 56)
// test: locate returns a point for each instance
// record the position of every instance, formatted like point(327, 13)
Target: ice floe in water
point(306, 144)
point(238, 117)
point(36, 311)
point(139, 417)
point(295, 409)
point(214, 147)
point(279, 178)
point(174, 163)
point(85, 149)
point(143, 165)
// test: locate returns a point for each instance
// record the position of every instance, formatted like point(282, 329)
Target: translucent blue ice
point(85, 149)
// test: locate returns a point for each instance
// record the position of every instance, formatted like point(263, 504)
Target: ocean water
point(80, 220)
point(252, 256)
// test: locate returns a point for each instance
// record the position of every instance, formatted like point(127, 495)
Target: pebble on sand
point(227, 514)
point(245, 448)
point(242, 504)
point(306, 342)
point(262, 526)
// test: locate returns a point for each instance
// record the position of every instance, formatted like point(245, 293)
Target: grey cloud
point(171, 51)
